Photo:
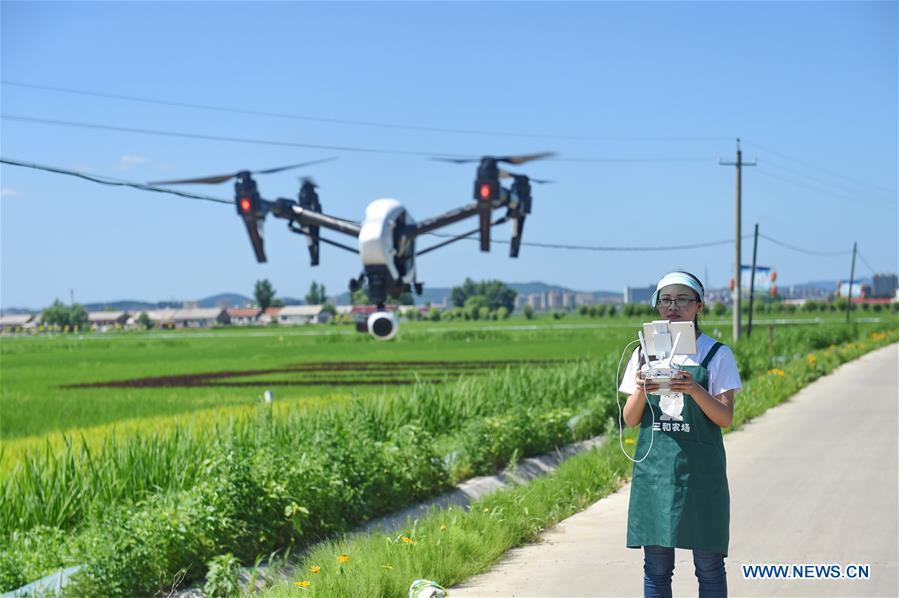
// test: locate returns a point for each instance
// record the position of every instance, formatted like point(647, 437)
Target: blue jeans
point(658, 568)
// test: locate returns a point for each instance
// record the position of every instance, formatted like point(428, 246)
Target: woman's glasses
point(679, 301)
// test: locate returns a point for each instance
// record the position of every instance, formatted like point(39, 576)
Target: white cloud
point(9, 192)
point(130, 161)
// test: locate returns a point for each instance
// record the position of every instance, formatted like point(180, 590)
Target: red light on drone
point(245, 205)
point(484, 192)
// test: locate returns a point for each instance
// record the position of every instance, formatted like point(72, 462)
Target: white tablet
point(660, 335)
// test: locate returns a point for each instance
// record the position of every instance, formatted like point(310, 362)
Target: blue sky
point(663, 90)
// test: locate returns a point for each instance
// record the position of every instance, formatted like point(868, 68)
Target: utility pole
point(737, 266)
point(851, 281)
point(755, 247)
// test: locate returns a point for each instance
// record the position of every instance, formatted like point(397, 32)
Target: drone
point(386, 237)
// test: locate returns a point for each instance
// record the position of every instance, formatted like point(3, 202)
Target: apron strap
point(711, 354)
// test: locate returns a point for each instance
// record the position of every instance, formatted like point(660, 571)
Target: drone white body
point(378, 242)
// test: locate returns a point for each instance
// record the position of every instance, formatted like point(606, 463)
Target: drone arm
point(451, 217)
point(285, 208)
point(309, 217)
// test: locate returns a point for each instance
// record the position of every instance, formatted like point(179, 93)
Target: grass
point(453, 544)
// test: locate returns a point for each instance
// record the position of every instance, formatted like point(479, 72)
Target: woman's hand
point(650, 387)
point(684, 383)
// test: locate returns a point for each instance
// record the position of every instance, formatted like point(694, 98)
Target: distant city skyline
point(807, 289)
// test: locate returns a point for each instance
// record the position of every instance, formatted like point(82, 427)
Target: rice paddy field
point(144, 455)
point(73, 383)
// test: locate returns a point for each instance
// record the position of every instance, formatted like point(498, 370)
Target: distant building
point(199, 317)
point(269, 315)
point(106, 320)
point(884, 285)
point(859, 290)
point(638, 294)
point(243, 316)
point(303, 314)
point(161, 318)
point(12, 323)
point(584, 299)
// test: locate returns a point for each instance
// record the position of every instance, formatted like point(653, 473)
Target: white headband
point(676, 278)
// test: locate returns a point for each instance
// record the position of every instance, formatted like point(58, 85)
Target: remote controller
point(661, 375)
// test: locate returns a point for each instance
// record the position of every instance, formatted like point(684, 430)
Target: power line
point(363, 123)
point(841, 186)
point(865, 262)
point(162, 133)
point(871, 202)
point(109, 181)
point(204, 137)
point(801, 250)
point(570, 247)
point(104, 180)
point(820, 169)
point(638, 160)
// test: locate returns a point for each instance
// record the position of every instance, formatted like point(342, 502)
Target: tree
point(264, 293)
point(62, 316)
point(144, 320)
point(77, 316)
point(359, 297)
point(316, 295)
point(56, 315)
point(495, 293)
point(528, 312)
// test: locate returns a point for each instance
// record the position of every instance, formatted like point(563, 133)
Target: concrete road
point(813, 480)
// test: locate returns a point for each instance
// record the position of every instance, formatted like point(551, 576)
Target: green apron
point(679, 494)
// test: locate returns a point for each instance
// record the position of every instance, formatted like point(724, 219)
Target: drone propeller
point(504, 174)
point(507, 159)
point(221, 178)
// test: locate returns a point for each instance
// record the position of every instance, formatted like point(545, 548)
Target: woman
point(679, 495)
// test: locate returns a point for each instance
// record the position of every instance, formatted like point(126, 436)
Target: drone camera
point(382, 325)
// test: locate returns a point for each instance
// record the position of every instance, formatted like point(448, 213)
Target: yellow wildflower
point(303, 584)
point(408, 540)
point(776, 372)
point(343, 559)
point(315, 569)
point(629, 441)
point(812, 359)
point(486, 510)
point(443, 527)
point(387, 567)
